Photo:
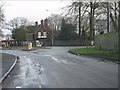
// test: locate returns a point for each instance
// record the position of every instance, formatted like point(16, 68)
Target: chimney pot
point(41, 22)
point(36, 23)
point(46, 23)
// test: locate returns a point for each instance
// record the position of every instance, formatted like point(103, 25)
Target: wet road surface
point(55, 68)
point(6, 61)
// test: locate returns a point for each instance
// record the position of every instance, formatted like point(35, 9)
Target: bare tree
point(17, 22)
point(54, 21)
point(111, 10)
point(119, 28)
point(1, 19)
point(1, 14)
point(74, 11)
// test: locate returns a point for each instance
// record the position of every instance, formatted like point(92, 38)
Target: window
point(44, 33)
point(39, 34)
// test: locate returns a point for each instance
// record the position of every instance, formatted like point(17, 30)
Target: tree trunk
point(119, 29)
point(79, 19)
point(115, 12)
point(108, 29)
point(91, 20)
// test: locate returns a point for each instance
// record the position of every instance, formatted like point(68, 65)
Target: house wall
point(108, 41)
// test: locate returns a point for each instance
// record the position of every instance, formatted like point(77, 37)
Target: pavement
point(7, 62)
point(56, 68)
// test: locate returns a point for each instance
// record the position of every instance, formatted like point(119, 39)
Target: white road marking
point(18, 87)
point(33, 51)
point(40, 86)
point(55, 59)
point(47, 55)
point(65, 62)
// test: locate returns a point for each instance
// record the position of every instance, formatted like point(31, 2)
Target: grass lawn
point(106, 54)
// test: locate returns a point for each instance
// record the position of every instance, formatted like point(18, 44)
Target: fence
point(108, 41)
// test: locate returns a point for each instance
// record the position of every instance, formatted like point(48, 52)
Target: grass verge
point(105, 54)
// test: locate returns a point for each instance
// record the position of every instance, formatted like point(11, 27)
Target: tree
point(80, 18)
point(19, 34)
point(1, 19)
point(74, 10)
point(1, 34)
point(119, 17)
point(93, 7)
point(108, 11)
point(68, 31)
point(84, 13)
point(54, 21)
point(111, 10)
point(1, 15)
point(17, 22)
point(119, 29)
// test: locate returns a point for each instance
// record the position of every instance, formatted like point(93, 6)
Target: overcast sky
point(33, 10)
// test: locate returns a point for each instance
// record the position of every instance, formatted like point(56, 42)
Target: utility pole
point(52, 37)
point(51, 30)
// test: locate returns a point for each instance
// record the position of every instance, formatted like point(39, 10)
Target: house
point(39, 33)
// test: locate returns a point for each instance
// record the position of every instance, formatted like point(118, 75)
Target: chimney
point(36, 23)
point(46, 23)
point(42, 22)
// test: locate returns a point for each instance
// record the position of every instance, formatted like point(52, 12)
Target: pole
point(52, 35)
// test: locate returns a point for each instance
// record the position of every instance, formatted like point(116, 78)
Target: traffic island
point(96, 53)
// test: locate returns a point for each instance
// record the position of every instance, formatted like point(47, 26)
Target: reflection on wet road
point(48, 68)
point(25, 74)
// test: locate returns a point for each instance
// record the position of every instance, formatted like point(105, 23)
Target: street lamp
point(52, 30)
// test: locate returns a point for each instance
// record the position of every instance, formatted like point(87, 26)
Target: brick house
point(41, 33)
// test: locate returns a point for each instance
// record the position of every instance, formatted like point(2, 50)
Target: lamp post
point(51, 30)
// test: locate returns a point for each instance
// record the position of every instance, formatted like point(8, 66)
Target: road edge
point(93, 57)
point(9, 70)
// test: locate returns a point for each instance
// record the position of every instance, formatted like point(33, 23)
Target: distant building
point(38, 33)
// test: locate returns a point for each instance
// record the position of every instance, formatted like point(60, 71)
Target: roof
point(41, 28)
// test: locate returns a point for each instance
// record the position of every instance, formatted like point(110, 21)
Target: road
point(54, 67)
point(6, 58)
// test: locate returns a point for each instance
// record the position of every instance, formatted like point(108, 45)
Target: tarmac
point(7, 63)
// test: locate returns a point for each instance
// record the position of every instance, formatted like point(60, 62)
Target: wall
point(81, 42)
point(108, 41)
